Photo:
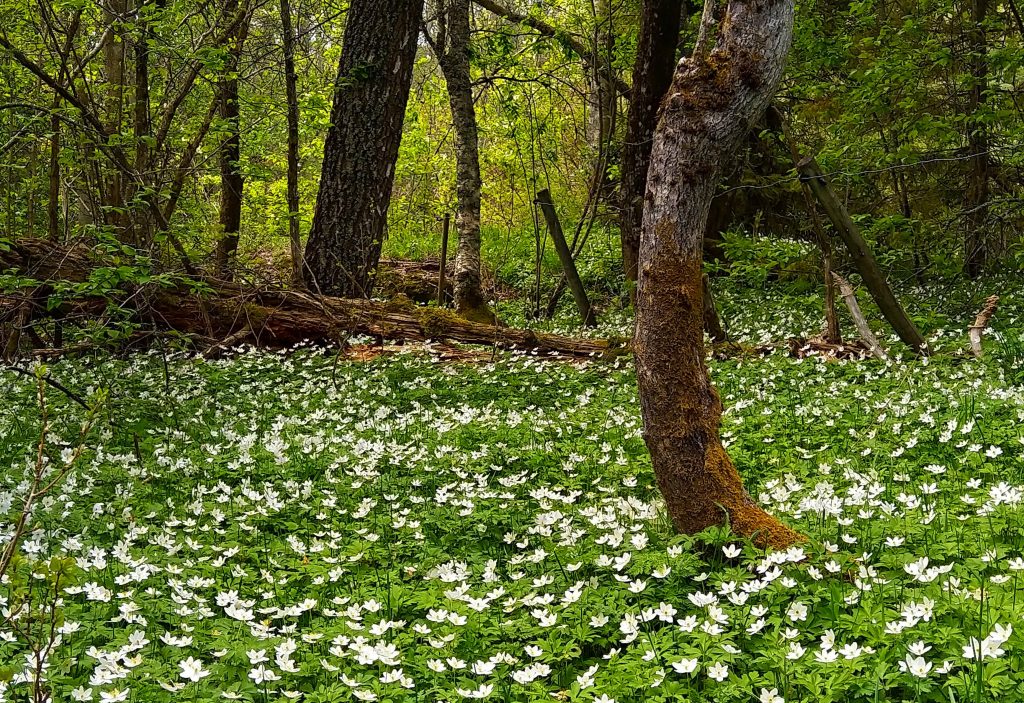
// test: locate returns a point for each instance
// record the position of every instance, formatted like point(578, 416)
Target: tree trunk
point(873, 277)
point(143, 124)
point(53, 189)
point(712, 321)
point(602, 99)
point(292, 97)
point(361, 148)
point(652, 75)
point(230, 155)
point(976, 249)
point(777, 122)
point(714, 97)
point(454, 61)
point(116, 13)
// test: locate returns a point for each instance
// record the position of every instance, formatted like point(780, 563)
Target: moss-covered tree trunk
point(714, 97)
point(362, 144)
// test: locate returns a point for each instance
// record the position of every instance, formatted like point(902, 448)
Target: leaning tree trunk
point(652, 75)
point(454, 62)
point(362, 143)
point(714, 97)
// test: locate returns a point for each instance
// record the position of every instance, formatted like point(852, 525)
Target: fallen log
point(270, 316)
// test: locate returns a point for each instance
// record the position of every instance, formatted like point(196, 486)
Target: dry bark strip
point(980, 323)
point(273, 317)
point(863, 328)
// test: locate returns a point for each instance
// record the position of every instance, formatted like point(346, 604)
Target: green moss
point(401, 303)
point(437, 321)
point(480, 313)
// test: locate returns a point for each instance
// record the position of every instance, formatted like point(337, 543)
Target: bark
point(230, 154)
point(361, 148)
point(53, 186)
point(143, 124)
point(976, 246)
point(652, 75)
point(270, 317)
point(453, 54)
point(714, 97)
point(291, 95)
point(858, 248)
point(603, 97)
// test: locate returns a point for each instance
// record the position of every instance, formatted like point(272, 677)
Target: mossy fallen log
point(266, 316)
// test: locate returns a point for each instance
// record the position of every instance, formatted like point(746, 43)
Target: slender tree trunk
point(603, 97)
point(652, 75)
point(976, 246)
point(715, 96)
point(230, 156)
point(53, 189)
point(454, 61)
point(361, 148)
point(143, 124)
point(291, 92)
point(777, 122)
point(113, 60)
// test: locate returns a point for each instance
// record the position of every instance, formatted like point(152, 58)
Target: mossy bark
point(714, 97)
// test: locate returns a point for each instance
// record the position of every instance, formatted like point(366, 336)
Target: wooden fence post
point(873, 277)
point(572, 276)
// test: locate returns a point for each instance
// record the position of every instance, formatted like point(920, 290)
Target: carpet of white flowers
point(277, 527)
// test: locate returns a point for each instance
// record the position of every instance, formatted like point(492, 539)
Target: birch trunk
point(714, 97)
point(453, 58)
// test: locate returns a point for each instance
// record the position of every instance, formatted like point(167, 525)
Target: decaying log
point(863, 329)
point(802, 348)
point(273, 317)
point(980, 323)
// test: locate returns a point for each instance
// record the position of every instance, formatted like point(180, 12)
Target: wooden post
point(873, 277)
point(445, 227)
point(572, 276)
point(863, 329)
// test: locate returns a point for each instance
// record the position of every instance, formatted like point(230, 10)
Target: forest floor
point(403, 527)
